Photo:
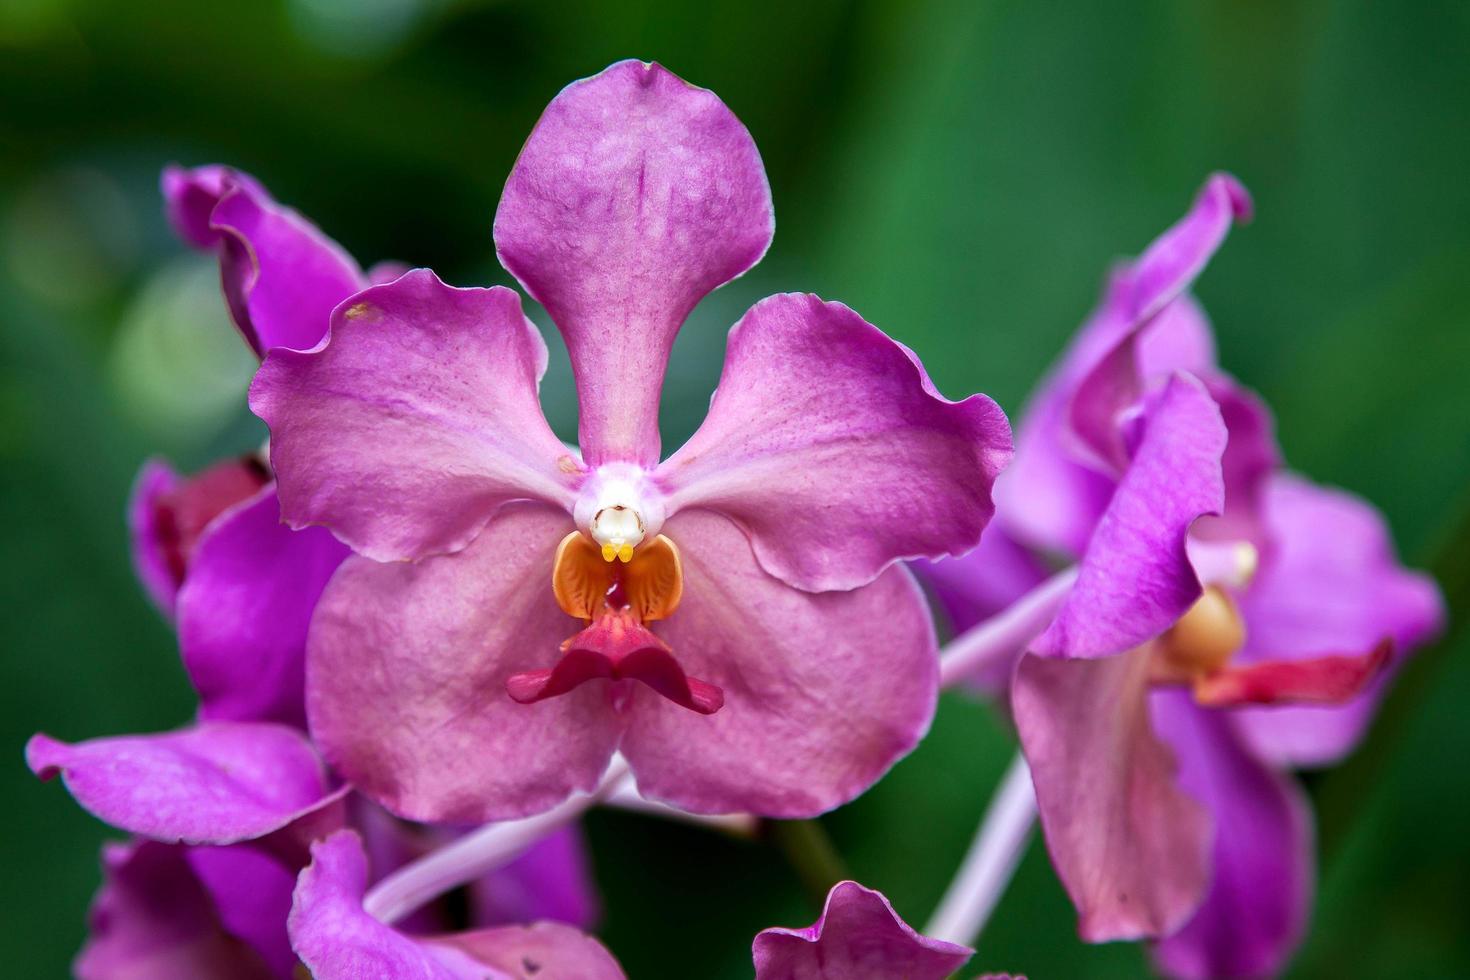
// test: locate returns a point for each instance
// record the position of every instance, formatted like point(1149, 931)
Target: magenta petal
point(153, 919)
point(1131, 848)
point(1251, 458)
point(823, 693)
point(1260, 893)
point(251, 891)
point(635, 195)
point(190, 195)
point(1135, 579)
point(827, 443)
point(552, 879)
point(857, 937)
point(406, 673)
point(337, 940)
point(216, 783)
point(419, 418)
point(244, 610)
point(1329, 583)
point(151, 555)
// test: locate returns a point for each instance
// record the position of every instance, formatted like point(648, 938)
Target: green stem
point(811, 854)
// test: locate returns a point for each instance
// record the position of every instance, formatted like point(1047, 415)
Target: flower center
point(619, 508)
point(1202, 641)
point(617, 599)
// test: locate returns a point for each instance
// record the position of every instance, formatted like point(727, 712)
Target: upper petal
point(153, 918)
point(635, 195)
point(1131, 848)
point(1329, 582)
point(1135, 578)
point(281, 276)
point(244, 609)
point(415, 421)
point(827, 443)
point(406, 671)
point(823, 692)
point(1260, 893)
point(215, 783)
point(338, 940)
point(858, 936)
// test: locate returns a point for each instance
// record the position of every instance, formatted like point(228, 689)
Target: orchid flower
point(754, 645)
point(1225, 620)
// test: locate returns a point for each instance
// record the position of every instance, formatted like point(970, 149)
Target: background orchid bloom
point(211, 549)
point(858, 936)
point(1208, 581)
point(791, 663)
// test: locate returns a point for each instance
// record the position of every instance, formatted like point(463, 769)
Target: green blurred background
point(962, 173)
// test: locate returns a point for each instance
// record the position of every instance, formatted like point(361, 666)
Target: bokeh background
point(960, 172)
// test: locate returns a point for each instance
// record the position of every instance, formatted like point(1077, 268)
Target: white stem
point(1005, 634)
point(625, 796)
point(992, 859)
point(420, 882)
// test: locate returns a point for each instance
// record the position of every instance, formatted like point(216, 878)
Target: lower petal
point(1260, 895)
point(406, 679)
point(244, 610)
point(1131, 848)
point(823, 692)
point(215, 783)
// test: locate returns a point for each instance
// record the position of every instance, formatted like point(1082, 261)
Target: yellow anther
point(609, 552)
point(625, 553)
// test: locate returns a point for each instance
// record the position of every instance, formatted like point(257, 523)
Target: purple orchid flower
point(793, 662)
point(337, 940)
point(1225, 620)
point(858, 936)
point(211, 549)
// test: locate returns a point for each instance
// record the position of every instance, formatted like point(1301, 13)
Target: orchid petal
point(337, 940)
point(251, 892)
point(153, 918)
point(823, 693)
point(858, 936)
point(215, 783)
point(1329, 582)
point(419, 418)
point(636, 194)
point(1135, 579)
point(281, 275)
point(151, 554)
point(1256, 908)
point(244, 609)
point(1130, 847)
point(829, 446)
point(406, 673)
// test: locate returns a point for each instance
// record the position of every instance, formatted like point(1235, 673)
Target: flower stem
point(990, 862)
point(811, 853)
point(1005, 634)
point(420, 882)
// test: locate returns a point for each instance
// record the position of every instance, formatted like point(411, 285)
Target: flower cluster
point(426, 634)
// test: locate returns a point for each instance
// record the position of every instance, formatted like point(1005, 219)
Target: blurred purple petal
point(419, 418)
point(858, 936)
point(1330, 582)
point(829, 446)
point(636, 194)
point(251, 891)
point(1131, 848)
point(1135, 579)
point(551, 880)
point(152, 557)
point(1259, 898)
